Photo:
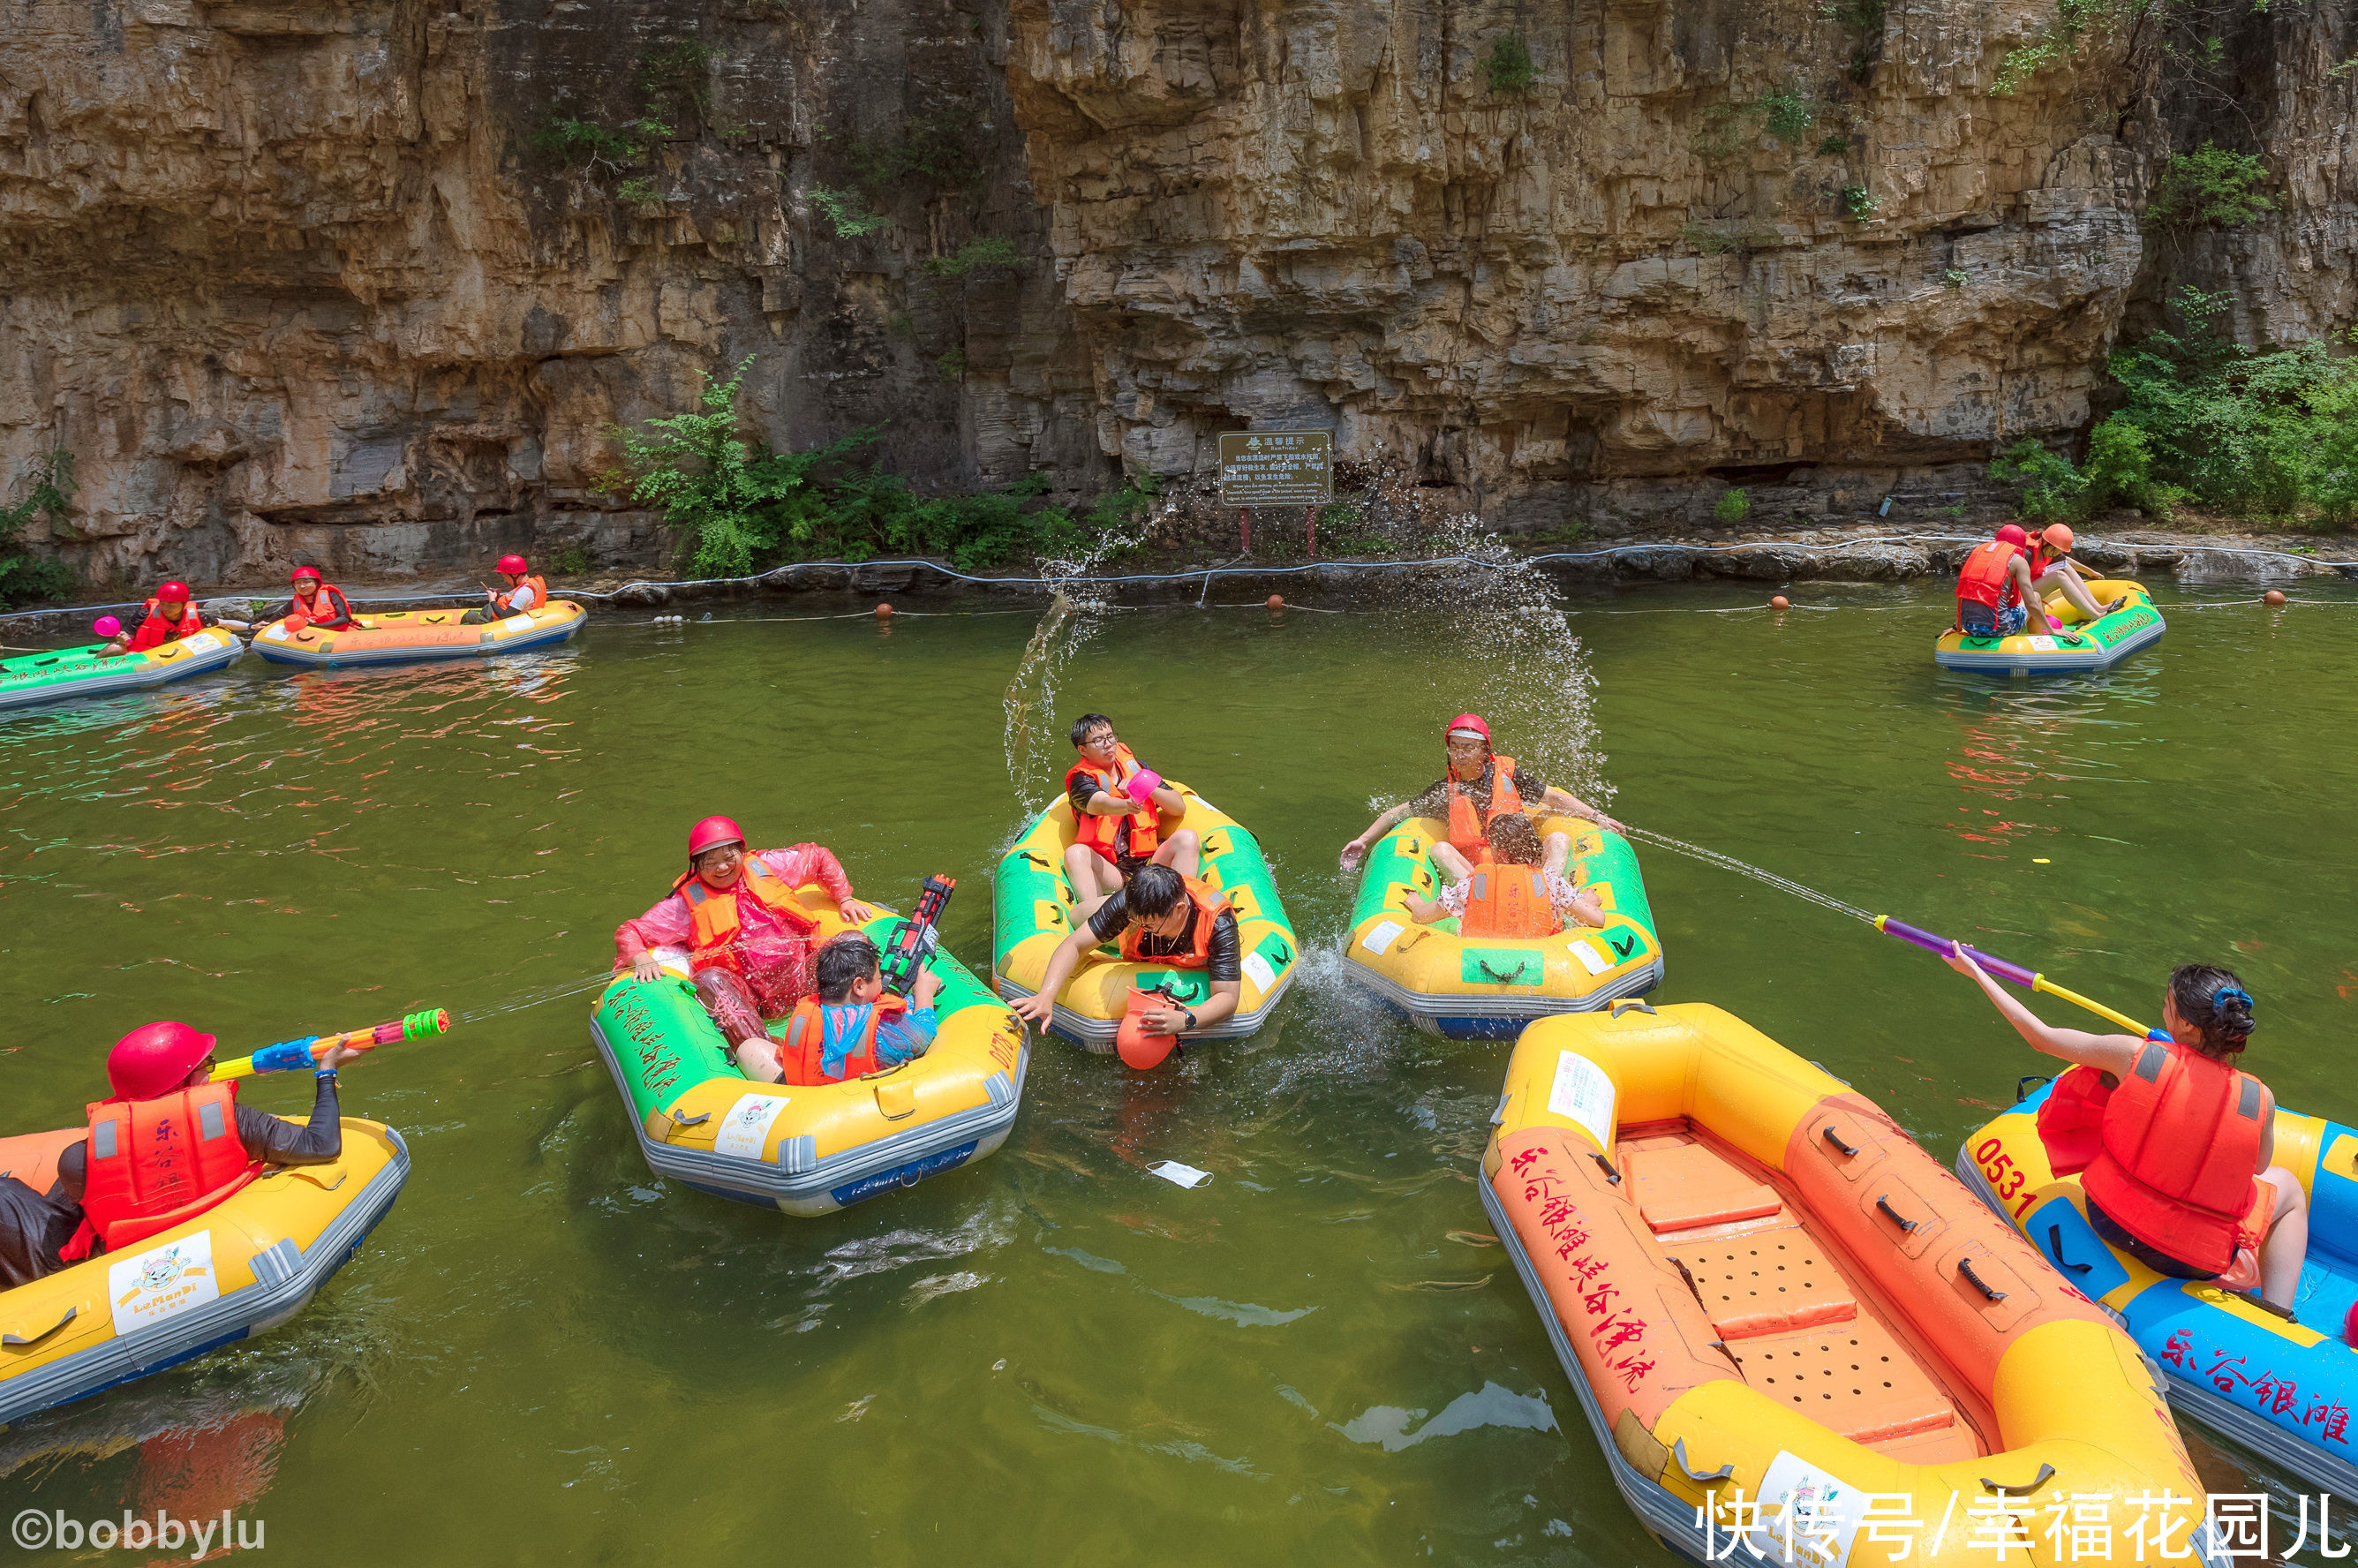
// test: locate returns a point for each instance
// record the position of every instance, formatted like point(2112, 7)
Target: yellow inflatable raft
point(1032, 908)
point(1488, 987)
point(810, 1148)
point(233, 1272)
point(404, 636)
point(2078, 645)
point(1780, 1313)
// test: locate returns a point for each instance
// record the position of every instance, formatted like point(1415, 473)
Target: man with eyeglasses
point(1481, 786)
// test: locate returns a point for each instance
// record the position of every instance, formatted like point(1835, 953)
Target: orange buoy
point(1780, 602)
point(1277, 602)
point(2273, 598)
point(884, 612)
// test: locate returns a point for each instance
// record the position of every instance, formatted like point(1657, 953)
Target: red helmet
point(2058, 537)
point(711, 833)
point(1468, 723)
point(513, 566)
point(2012, 533)
point(173, 592)
point(155, 1059)
point(302, 572)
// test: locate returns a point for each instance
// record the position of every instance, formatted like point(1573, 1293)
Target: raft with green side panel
point(1488, 987)
point(2075, 648)
point(1032, 914)
point(79, 672)
point(803, 1148)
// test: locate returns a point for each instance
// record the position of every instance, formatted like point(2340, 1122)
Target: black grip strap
point(1605, 1164)
point(1965, 1266)
point(1884, 1203)
point(2046, 1474)
point(1831, 1136)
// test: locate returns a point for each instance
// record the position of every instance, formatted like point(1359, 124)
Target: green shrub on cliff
point(1509, 66)
point(22, 576)
point(2210, 186)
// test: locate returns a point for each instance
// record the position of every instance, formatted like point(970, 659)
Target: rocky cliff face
point(366, 281)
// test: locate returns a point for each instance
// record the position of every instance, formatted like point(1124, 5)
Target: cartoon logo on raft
point(163, 1282)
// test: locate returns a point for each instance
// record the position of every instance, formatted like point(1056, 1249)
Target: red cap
point(173, 594)
point(155, 1059)
point(1467, 721)
point(302, 572)
point(2012, 533)
point(512, 564)
point(711, 833)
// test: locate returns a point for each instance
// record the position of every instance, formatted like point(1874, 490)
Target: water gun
point(288, 1054)
point(917, 939)
point(2013, 973)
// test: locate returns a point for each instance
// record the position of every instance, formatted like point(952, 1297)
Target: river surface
point(544, 1355)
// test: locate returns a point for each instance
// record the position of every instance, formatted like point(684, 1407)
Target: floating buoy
point(1277, 602)
point(1780, 602)
point(2273, 598)
point(883, 612)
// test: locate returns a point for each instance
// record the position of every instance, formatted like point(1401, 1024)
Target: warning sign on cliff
point(1277, 468)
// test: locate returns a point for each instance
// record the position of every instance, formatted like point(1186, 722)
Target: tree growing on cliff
point(23, 576)
point(2212, 185)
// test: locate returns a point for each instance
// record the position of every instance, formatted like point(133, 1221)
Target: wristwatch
point(1191, 1020)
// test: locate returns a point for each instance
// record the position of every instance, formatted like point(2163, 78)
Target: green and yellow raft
point(79, 672)
point(2076, 646)
point(1031, 909)
point(1488, 987)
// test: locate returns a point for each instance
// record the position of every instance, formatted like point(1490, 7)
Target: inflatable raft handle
point(1626, 1002)
point(1965, 1266)
point(2046, 1474)
point(1707, 1477)
point(1831, 1136)
point(1884, 1203)
point(1611, 1174)
point(17, 1339)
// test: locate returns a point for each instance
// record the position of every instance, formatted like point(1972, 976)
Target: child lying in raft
point(1508, 894)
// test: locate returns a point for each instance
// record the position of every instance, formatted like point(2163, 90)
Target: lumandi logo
point(36, 1530)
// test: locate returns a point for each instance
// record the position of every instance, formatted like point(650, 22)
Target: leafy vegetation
point(1787, 114)
point(1955, 277)
point(938, 148)
point(2210, 186)
point(1832, 144)
point(740, 507)
point(2271, 433)
point(588, 142)
point(840, 209)
point(23, 577)
point(641, 194)
point(573, 560)
point(974, 255)
point(1510, 67)
point(1732, 507)
point(1858, 203)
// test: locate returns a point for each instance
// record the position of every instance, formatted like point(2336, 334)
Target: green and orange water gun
point(289, 1054)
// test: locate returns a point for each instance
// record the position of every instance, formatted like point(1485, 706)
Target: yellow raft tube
point(405, 636)
point(1032, 910)
point(1779, 1310)
point(810, 1150)
point(238, 1270)
point(2079, 645)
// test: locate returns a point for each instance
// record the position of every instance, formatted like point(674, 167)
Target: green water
point(544, 1355)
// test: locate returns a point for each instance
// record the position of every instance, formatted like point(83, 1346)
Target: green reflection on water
point(546, 1355)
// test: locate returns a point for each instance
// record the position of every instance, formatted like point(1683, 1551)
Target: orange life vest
point(802, 1055)
point(1106, 831)
point(1469, 831)
point(155, 1163)
point(1508, 900)
point(539, 593)
point(2180, 1140)
point(155, 632)
point(1210, 905)
point(712, 912)
point(334, 618)
point(1986, 579)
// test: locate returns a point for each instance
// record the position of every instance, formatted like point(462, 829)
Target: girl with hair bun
point(2174, 1144)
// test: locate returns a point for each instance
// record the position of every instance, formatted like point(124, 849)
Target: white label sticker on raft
point(1590, 959)
point(162, 1282)
point(1257, 967)
point(1808, 1518)
point(276, 634)
point(1181, 1176)
point(1381, 935)
point(2044, 644)
point(1584, 1093)
point(746, 1128)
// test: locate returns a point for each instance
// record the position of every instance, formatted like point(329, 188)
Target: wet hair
point(843, 962)
point(1516, 840)
point(2215, 1004)
point(1154, 891)
point(1086, 722)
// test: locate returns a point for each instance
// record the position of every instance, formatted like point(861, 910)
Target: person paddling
point(167, 1147)
point(2174, 1144)
point(526, 592)
point(1479, 787)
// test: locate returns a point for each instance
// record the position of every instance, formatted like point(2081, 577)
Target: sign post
point(1276, 468)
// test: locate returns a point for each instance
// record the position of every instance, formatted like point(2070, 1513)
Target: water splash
point(1075, 613)
point(1745, 869)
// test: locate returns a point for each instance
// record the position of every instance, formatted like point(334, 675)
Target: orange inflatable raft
point(1782, 1315)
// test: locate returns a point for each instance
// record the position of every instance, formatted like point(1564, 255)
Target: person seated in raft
point(526, 594)
point(2173, 1144)
point(315, 602)
point(1479, 787)
point(2052, 568)
point(1159, 917)
point(171, 614)
point(1998, 589)
point(156, 1154)
point(849, 1027)
point(1508, 894)
point(1115, 807)
point(749, 957)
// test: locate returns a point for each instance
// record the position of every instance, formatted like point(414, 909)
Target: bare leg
point(1181, 853)
point(1093, 880)
point(2074, 590)
point(2288, 1242)
point(1453, 864)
